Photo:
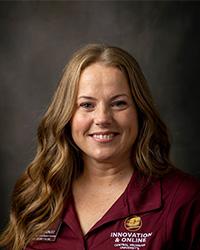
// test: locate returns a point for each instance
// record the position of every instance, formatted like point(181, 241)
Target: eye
point(86, 105)
point(120, 104)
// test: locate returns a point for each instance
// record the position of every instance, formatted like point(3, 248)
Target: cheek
point(79, 124)
point(129, 120)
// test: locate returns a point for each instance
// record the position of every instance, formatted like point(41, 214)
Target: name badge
point(51, 234)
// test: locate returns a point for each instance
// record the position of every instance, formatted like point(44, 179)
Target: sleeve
point(183, 222)
point(190, 224)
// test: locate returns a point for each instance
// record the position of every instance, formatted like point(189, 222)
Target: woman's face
point(105, 123)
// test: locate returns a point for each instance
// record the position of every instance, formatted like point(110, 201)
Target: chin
point(102, 156)
point(105, 159)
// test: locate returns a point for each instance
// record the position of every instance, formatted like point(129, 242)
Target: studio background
point(37, 39)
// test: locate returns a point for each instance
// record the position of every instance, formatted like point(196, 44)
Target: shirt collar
point(143, 194)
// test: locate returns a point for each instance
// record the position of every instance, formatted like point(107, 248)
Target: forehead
point(98, 77)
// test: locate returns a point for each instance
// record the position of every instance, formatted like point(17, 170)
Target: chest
point(90, 208)
point(140, 232)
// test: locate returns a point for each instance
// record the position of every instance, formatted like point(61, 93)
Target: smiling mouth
point(103, 136)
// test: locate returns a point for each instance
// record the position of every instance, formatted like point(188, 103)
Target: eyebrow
point(93, 98)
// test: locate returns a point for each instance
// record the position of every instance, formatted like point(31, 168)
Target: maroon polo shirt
point(158, 215)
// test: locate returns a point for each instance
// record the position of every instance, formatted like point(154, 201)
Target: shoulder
point(181, 200)
point(177, 180)
point(180, 188)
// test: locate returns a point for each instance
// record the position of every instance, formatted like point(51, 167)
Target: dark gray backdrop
point(37, 39)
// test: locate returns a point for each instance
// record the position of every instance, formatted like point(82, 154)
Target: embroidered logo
point(129, 237)
point(133, 223)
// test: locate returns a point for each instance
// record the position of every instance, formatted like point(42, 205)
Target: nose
point(103, 116)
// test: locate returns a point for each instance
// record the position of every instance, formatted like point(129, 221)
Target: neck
point(99, 174)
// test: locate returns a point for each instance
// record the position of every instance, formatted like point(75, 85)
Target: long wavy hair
point(38, 196)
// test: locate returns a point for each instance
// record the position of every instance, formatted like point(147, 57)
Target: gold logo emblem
point(133, 223)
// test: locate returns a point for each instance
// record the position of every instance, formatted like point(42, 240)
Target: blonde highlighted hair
point(39, 193)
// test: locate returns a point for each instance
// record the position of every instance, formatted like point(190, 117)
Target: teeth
point(103, 136)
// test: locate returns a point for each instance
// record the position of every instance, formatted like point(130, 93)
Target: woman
point(102, 177)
